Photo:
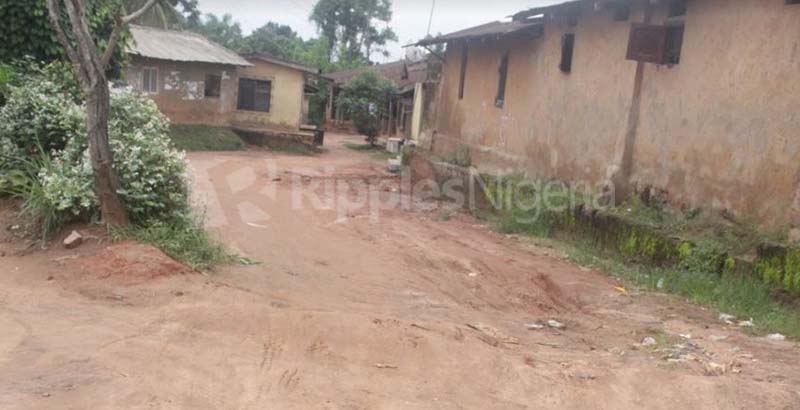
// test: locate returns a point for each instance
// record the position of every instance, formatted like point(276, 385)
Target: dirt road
point(357, 307)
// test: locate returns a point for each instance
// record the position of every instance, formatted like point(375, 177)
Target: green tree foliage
point(221, 30)
point(276, 39)
point(353, 27)
point(25, 31)
point(366, 98)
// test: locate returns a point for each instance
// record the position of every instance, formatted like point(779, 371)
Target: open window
point(500, 100)
point(463, 75)
point(656, 44)
point(213, 86)
point(567, 48)
point(659, 44)
point(254, 95)
point(150, 80)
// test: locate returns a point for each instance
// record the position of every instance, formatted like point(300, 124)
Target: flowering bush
point(38, 113)
point(43, 143)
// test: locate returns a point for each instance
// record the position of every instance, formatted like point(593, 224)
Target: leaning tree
point(69, 21)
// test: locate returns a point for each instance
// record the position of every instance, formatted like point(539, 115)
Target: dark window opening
point(622, 11)
point(673, 44)
point(254, 95)
point(677, 8)
point(655, 44)
point(500, 100)
point(792, 1)
point(463, 74)
point(647, 43)
point(404, 75)
point(213, 86)
point(567, 48)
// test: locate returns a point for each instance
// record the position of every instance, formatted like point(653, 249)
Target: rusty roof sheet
point(494, 29)
point(181, 46)
point(269, 58)
point(536, 11)
point(417, 72)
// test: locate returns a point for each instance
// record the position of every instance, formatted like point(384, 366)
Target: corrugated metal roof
point(561, 5)
point(417, 72)
point(493, 29)
point(269, 58)
point(180, 46)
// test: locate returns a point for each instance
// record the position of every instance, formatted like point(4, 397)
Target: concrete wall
point(181, 89)
point(286, 106)
point(722, 128)
point(719, 130)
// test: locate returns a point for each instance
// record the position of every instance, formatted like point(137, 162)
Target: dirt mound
point(129, 263)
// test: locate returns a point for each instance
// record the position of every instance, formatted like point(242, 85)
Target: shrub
point(39, 113)
point(366, 98)
point(45, 161)
point(152, 172)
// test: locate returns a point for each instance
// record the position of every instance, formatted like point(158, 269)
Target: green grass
point(743, 296)
point(205, 138)
point(695, 276)
point(183, 239)
point(377, 151)
point(364, 147)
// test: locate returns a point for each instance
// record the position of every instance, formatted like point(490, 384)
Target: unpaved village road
point(412, 309)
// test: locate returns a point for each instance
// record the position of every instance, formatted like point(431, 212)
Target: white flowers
point(151, 172)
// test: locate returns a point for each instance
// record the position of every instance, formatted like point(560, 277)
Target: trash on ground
point(555, 324)
point(649, 341)
point(73, 241)
point(776, 336)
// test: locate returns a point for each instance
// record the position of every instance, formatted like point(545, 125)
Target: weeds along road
point(393, 306)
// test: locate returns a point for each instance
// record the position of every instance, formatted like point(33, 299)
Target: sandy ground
point(388, 307)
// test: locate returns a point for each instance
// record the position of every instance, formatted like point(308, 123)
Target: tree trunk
point(106, 181)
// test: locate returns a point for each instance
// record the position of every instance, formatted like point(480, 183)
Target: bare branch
point(87, 50)
point(119, 26)
point(135, 15)
point(54, 11)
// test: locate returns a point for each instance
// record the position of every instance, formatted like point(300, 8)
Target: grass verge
point(205, 138)
point(698, 270)
point(183, 239)
point(377, 151)
point(740, 295)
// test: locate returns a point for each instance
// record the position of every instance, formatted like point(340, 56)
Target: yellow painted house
point(196, 81)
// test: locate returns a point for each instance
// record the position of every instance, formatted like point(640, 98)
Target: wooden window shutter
point(462, 74)
point(647, 43)
point(567, 48)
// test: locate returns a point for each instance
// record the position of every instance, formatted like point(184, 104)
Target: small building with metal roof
point(196, 81)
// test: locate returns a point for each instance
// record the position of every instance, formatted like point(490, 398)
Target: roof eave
point(243, 63)
point(288, 64)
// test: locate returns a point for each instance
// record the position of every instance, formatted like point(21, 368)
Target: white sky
point(409, 21)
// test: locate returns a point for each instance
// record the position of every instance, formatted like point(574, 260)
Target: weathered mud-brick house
point(404, 114)
point(195, 81)
point(696, 98)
